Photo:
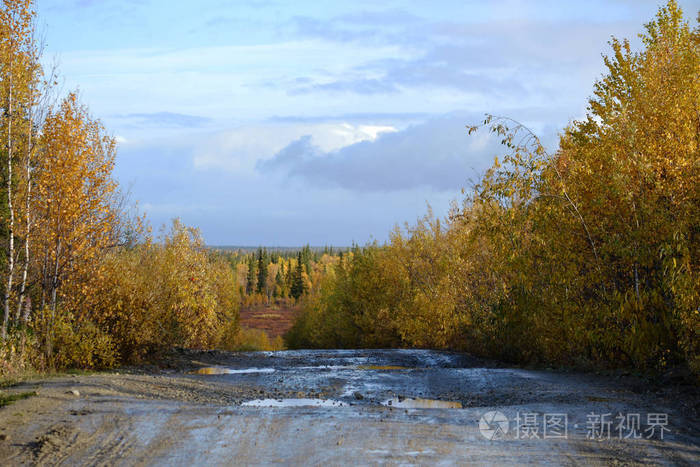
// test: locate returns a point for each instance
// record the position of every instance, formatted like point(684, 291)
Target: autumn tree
point(71, 245)
point(588, 253)
point(73, 200)
point(289, 277)
point(633, 165)
point(164, 292)
point(20, 80)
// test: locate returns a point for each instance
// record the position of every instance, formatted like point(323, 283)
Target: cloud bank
point(437, 154)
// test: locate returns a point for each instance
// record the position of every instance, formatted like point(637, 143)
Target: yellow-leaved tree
point(20, 83)
point(73, 202)
point(155, 295)
point(588, 254)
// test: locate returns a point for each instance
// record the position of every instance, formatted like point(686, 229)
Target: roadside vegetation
point(587, 255)
point(10, 398)
point(84, 283)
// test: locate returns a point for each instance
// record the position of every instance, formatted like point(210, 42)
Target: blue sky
point(286, 123)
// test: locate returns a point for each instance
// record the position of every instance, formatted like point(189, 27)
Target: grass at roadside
point(7, 399)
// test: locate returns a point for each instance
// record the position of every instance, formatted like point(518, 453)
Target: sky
point(276, 123)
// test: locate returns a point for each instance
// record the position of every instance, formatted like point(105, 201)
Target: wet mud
point(345, 407)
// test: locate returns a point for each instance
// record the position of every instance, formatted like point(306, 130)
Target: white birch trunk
point(11, 226)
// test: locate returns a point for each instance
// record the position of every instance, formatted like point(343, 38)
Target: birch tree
point(19, 73)
point(73, 201)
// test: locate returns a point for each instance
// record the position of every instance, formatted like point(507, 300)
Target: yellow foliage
point(18, 355)
point(589, 255)
point(248, 340)
point(159, 295)
point(76, 343)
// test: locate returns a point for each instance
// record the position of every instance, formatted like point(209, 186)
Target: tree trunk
point(54, 288)
point(44, 277)
point(11, 226)
point(54, 278)
point(28, 226)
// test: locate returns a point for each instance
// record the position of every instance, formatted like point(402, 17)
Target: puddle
point(418, 403)
point(218, 370)
point(325, 367)
point(382, 367)
point(294, 403)
point(598, 399)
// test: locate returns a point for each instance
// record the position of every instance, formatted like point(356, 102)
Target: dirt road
point(346, 407)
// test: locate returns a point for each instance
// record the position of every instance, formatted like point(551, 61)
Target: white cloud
point(246, 177)
point(238, 150)
point(437, 153)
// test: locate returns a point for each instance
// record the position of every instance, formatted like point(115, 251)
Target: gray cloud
point(362, 117)
point(431, 70)
point(357, 86)
point(499, 57)
point(437, 154)
point(164, 119)
point(253, 209)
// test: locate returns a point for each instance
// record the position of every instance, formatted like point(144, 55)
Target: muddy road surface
point(350, 408)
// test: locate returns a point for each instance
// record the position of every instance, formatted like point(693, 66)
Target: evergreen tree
point(298, 281)
point(279, 282)
point(250, 278)
point(262, 270)
point(305, 258)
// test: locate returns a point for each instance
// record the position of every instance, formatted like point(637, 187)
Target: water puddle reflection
point(294, 403)
point(418, 403)
point(382, 367)
point(218, 370)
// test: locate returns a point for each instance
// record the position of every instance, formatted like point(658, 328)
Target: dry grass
point(275, 319)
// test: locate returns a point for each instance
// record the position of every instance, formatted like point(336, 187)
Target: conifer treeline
point(281, 274)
